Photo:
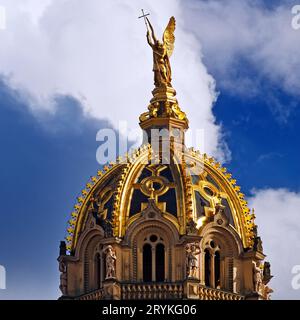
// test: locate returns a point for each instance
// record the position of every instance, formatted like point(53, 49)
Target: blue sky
point(265, 152)
point(48, 148)
point(44, 172)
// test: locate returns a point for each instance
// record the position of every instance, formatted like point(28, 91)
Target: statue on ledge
point(257, 277)
point(192, 251)
point(110, 262)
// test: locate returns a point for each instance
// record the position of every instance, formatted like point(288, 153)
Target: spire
point(163, 111)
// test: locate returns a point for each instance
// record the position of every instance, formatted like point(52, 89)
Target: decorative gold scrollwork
point(154, 186)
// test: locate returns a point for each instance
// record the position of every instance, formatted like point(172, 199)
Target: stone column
point(139, 264)
point(153, 263)
point(226, 273)
point(236, 276)
point(102, 273)
point(222, 273)
point(202, 268)
point(212, 270)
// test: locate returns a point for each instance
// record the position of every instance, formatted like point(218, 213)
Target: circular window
point(156, 186)
point(208, 191)
point(153, 238)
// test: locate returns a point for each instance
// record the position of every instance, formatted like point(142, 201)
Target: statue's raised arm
point(151, 37)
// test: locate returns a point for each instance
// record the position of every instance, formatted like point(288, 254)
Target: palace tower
point(163, 222)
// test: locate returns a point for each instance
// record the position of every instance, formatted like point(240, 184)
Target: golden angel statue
point(162, 51)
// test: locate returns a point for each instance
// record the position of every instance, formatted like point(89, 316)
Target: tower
point(163, 222)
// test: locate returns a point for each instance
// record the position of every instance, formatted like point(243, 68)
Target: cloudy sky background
point(69, 68)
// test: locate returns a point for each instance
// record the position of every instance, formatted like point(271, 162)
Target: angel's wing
point(168, 36)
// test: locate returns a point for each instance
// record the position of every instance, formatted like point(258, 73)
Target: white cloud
point(97, 52)
point(277, 217)
point(236, 33)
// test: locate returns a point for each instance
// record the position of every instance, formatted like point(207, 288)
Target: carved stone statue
point(257, 277)
point(266, 292)
point(161, 53)
point(192, 250)
point(258, 244)
point(62, 248)
point(110, 262)
point(191, 227)
point(63, 277)
point(267, 272)
point(97, 207)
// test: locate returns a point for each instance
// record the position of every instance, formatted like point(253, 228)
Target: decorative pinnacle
point(164, 103)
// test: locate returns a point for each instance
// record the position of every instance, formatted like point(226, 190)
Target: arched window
point(207, 267)
point(160, 262)
point(217, 269)
point(147, 263)
point(212, 265)
point(153, 259)
point(92, 272)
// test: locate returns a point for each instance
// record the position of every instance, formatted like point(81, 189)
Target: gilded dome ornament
point(162, 52)
point(164, 103)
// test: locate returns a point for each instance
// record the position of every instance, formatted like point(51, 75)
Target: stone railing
point(94, 295)
point(134, 291)
point(206, 293)
point(152, 291)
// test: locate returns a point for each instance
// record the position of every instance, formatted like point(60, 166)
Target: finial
point(164, 103)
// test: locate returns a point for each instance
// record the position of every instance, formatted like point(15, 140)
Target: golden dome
point(165, 221)
point(188, 194)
